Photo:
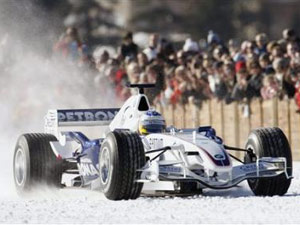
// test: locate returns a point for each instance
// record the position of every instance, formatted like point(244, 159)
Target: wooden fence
point(232, 122)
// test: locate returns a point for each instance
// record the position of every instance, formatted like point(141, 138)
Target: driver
point(151, 122)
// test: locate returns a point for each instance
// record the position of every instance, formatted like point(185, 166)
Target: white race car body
point(178, 155)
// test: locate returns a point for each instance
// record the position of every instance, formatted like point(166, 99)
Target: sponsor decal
point(156, 142)
point(85, 160)
point(87, 169)
point(86, 115)
point(251, 167)
point(219, 162)
point(169, 169)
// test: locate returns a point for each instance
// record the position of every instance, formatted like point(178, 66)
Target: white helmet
point(151, 122)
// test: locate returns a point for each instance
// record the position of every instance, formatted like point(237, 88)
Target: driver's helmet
point(151, 122)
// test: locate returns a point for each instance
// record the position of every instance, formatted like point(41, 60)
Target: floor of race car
point(237, 205)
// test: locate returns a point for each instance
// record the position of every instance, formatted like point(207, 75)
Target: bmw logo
point(219, 156)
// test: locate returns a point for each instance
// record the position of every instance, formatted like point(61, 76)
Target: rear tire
point(269, 142)
point(35, 163)
point(121, 155)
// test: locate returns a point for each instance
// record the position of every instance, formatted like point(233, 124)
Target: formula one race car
point(136, 153)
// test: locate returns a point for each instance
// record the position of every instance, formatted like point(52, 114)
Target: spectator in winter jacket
point(102, 62)
point(292, 51)
point(289, 35)
point(270, 88)
point(240, 89)
point(230, 80)
point(165, 48)
point(154, 76)
point(214, 75)
point(261, 43)
point(264, 62)
point(283, 77)
point(255, 80)
point(276, 52)
point(151, 51)
point(142, 60)
point(133, 71)
point(128, 47)
point(70, 46)
point(217, 81)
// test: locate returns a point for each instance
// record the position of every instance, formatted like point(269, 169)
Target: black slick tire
point(35, 163)
point(269, 142)
point(121, 156)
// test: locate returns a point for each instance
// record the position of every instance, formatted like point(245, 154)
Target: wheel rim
point(20, 167)
point(105, 165)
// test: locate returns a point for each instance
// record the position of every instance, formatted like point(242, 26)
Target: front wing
point(262, 168)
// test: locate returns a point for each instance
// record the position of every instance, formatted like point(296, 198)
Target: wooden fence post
point(191, 115)
point(204, 114)
point(183, 117)
point(275, 112)
point(209, 112)
point(261, 113)
point(289, 121)
point(236, 127)
point(173, 114)
point(195, 113)
point(222, 118)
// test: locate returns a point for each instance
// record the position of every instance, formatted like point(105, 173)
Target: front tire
point(121, 155)
point(269, 142)
point(35, 163)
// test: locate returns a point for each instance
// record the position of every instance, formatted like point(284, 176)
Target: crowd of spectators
point(260, 68)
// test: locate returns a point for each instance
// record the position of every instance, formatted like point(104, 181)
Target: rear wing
point(78, 117)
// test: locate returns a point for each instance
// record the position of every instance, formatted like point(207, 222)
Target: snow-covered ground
point(236, 205)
